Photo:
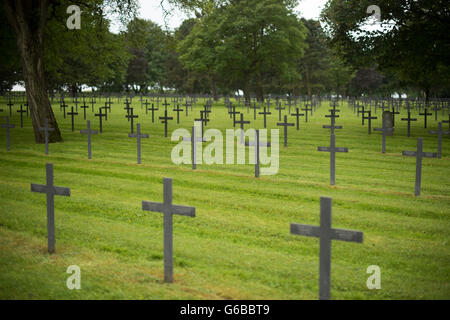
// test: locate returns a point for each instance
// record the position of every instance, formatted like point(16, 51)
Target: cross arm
point(183, 210)
point(305, 230)
point(409, 153)
point(347, 235)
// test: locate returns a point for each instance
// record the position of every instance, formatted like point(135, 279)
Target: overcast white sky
point(151, 10)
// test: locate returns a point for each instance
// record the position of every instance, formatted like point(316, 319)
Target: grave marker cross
point(257, 144)
point(131, 116)
point(264, 113)
point(21, 111)
point(138, 137)
point(168, 209)
point(72, 115)
point(409, 119)
point(297, 115)
point(7, 126)
point(370, 118)
point(165, 120)
point(419, 154)
point(306, 109)
point(178, 110)
point(439, 132)
point(89, 132)
point(50, 190)
point(285, 124)
point(425, 115)
point(326, 234)
point(46, 129)
point(384, 132)
point(332, 149)
point(194, 139)
point(100, 116)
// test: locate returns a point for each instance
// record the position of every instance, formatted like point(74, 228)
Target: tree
point(28, 19)
point(412, 42)
point(242, 42)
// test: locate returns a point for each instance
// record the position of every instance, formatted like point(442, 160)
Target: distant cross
point(425, 115)
point(279, 108)
point(306, 109)
point(165, 120)
point(138, 137)
point(92, 103)
point(364, 115)
point(178, 110)
point(409, 119)
point(242, 123)
point(168, 209)
point(75, 100)
point(203, 117)
point(393, 115)
point(46, 130)
point(264, 113)
point(419, 154)
point(10, 104)
point(326, 234)
point(435, 109)
point(285, 124)
point(84, 107)
point(131, 116)
point(384, 132)
point(360, 110)
point(297, 116)
point(153, 109)
point(7, 126)
point(254, 107)
point(233, 114)
point(439, 133)
point(186, 107)
point(369, 118)
point(332, 149)
point(257, 144)
point(21, 111)
point(50, 190)
point(64, 106)
point(146, 103)
point(72, 115)
point(89, 133)
point(194, 139)
point(100, 116)
point(127, 108)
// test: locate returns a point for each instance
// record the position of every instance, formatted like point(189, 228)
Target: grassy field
point(238, 246)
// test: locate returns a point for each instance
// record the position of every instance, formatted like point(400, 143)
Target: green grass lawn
point(238, 246)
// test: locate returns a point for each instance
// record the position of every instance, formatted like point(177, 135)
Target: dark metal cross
point(46, 129)
point(165, 120)
point(7, 126)
point(178, 110)
point(131, 116)
point(297, 114)
point(153, 109)
point(127, 107)
point(370, 118)
point(72, 115)
point(21, 111)
point(64, 106)
point(385, 131)
point(333, 120)
point(89, 132)
point(257, 144)
point(285, 124)
point(425, 115)
point(409, 119)
point(165, 104)
point(255, 107)
point(84, 107)
point(168, 209)
point(419, 154)
point(242, 123)
point(332, 149)
point(439, 133)
point(233, 114)
point(306, 109)
point(265, 113)
point(435, 109)
point(100, 116)
point(326, 234)
point(146, 103)
point(279, 108)
point(194, 139)
point(138, 137)
point(203, 117)
point(10, 104)
point(50, 190)
point(393, 115)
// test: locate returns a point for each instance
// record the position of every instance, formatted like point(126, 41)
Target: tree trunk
point(259, 88)
point(212, 84)
point(28, 19)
